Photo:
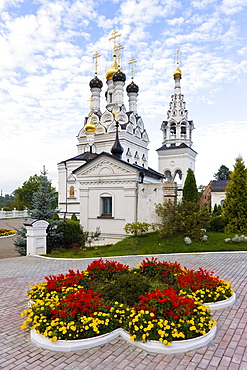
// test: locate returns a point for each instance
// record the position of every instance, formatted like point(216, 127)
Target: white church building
point(109, 182)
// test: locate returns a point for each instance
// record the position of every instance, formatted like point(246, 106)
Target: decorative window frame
point(106, 215)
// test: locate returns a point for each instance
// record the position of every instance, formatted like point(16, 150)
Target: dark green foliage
point(73, 217)
point(235, 206)
point(55, 217)
point(123, 288)
point(222, 174)
point(7, 202)
point(20, 241)
point(190, 192)
point(71, 232)
point(183, 219)
point(217, 210)
point(216, 224)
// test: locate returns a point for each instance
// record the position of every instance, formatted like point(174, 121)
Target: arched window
point(106, 205)
point(173, 129)
point(178, 175)
point(168, 175)
point(183, 130)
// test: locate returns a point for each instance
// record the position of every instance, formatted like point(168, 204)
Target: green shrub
point(124, 288)
point(184, 219)
point(136, 228)
point(217, 224)
point(71, 232)
point(73, 217)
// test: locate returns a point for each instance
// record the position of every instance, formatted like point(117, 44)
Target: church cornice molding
point(107, 182)
point(105, 163)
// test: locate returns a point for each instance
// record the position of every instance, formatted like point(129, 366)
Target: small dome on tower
point(119, 76)
point(110, 72)
point(90, 126)
point(96, 82)
point(177, 72)
point(112, 69)
point(132, 88)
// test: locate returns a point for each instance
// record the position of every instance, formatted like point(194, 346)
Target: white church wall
point(217, 198)
point(123, 196)
point(68, 189)
point(176, 159)
point(148, 196)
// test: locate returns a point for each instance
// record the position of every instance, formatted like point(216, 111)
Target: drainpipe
point(136, 210)
point(66, 190)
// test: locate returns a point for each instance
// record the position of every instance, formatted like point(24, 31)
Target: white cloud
point(146, 11)
point(175, 21)
point(202, 3)
point(233, 6)
point(4, 4)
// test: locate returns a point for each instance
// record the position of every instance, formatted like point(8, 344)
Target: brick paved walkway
point(226, 351)
point(7, 248)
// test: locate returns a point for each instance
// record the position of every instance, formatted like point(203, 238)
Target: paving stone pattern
point(226, 351)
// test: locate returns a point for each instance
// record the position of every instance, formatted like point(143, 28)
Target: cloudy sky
point(46, 49)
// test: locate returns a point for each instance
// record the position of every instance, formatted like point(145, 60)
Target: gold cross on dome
point(118, 47)
point(177, 55)
point(115, 34)
point(132, 62)
point(96, 56)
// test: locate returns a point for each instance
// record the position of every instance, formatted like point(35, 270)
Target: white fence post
point(14, 214)
point(36, 236)
point(2, 212)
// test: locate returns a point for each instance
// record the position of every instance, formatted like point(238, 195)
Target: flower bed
point(7, 232)
point(156, 301)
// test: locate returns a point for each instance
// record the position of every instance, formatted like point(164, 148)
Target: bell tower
point(176, 155)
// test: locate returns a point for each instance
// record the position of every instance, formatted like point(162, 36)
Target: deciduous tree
point(24, 194)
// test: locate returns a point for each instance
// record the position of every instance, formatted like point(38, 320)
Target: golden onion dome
point(177, 72)
point(90, 126)
point(113, 68)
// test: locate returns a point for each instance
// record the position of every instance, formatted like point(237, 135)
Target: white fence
point(13, 214)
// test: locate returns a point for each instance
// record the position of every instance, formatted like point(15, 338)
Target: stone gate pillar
point(36, 236)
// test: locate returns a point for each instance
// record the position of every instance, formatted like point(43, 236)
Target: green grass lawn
point(151, 244)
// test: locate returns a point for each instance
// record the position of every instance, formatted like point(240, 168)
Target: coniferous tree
point(223, 173)
point(235, 206)
point(43, 200)
point(20, 241)
point(43, 209)
point(190, 192)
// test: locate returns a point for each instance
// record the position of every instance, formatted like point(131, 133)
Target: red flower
point(78, 302)
point(195, 280)
point(100, 268)
point(56, 282)
point(166, 303)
